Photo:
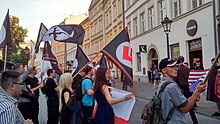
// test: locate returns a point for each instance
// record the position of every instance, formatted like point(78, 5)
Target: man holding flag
point(172, 95)
point(211, 96)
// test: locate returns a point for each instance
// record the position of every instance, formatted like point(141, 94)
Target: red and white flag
point(195, 75)
point(122, 110)
point(195, 78)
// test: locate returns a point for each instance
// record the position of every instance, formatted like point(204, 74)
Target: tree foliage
point(16, 54)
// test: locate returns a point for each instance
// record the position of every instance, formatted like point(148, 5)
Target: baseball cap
point(166, 62)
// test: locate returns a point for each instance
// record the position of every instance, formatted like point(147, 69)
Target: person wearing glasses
point(11, 85)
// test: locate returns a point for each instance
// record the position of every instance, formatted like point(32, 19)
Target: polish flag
point(122, 110)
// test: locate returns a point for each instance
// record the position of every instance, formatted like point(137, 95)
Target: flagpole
point(6, 49)
point(212, 67)
point(42, 71)
point(87, 64)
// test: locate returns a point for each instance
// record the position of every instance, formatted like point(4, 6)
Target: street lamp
point(166, 27)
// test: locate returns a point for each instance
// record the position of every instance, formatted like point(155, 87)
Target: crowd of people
point(20, 89)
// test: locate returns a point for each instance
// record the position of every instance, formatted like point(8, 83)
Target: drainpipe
point(215, 27)
point(123, 13)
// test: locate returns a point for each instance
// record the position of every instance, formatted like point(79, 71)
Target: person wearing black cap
point(11, 85)
point(172, 95)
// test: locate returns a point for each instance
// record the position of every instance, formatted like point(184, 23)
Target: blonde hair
point(64, 81)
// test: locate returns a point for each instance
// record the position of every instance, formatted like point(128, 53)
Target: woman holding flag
point(104, 113)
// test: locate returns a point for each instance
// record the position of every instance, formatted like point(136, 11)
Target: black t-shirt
point(66, 112)
point(50, 88)
point(33, 82)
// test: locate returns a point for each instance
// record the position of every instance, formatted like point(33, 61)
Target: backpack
point(44, 89)
point(77, 87)
point(152, 112)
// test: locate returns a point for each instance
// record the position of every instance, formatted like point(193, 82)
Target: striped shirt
point(8, 110)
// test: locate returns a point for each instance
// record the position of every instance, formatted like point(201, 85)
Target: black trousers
point(53, 110)
point(25, 109)
point(87, 114)
point(35, 111)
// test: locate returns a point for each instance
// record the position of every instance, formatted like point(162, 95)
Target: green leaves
point(16, 54)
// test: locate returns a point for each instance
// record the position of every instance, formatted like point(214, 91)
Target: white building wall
point(156, 38)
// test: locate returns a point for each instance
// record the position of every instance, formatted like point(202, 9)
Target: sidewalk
point(145, 90)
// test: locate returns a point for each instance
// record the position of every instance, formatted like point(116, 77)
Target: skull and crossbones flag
point(61, 33)
point(119, 52)
point(79, 61)
point(65, 33)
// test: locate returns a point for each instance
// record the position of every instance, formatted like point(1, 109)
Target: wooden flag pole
point(87, 64)
point(19, 113)
point(6, 49)
point(212, 67)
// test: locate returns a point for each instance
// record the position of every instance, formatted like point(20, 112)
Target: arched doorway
point(152, 58)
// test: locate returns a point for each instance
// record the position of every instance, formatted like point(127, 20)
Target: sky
point(50, 12)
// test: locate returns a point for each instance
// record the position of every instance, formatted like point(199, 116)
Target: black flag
point(48, 55)
point(80, 60)
point(41, 32)
point(102, 62)
point(65, 33)
point(5, 33)
point(119, 52)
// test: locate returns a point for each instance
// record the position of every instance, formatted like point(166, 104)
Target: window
point(96, 28)
point(129, 28)
point(100, 24)
point(114, 12)
point(128, 3)
point(138, 61)
point(92, 30)
point(119, 7)
point(175, 51)
point(106, 20)
point(196, 3)
point(88, 36)
point(115, 32)
point(151, 17)
point(96, 46)
point(133, 1)
point(135, 26)
point(162, 7)
point(110, 17)
point(176, 5)
point(142, 22)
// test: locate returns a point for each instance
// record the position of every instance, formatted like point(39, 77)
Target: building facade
point(96, 23)
point(192, 35)
point(87, 38)
point(106, 21)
